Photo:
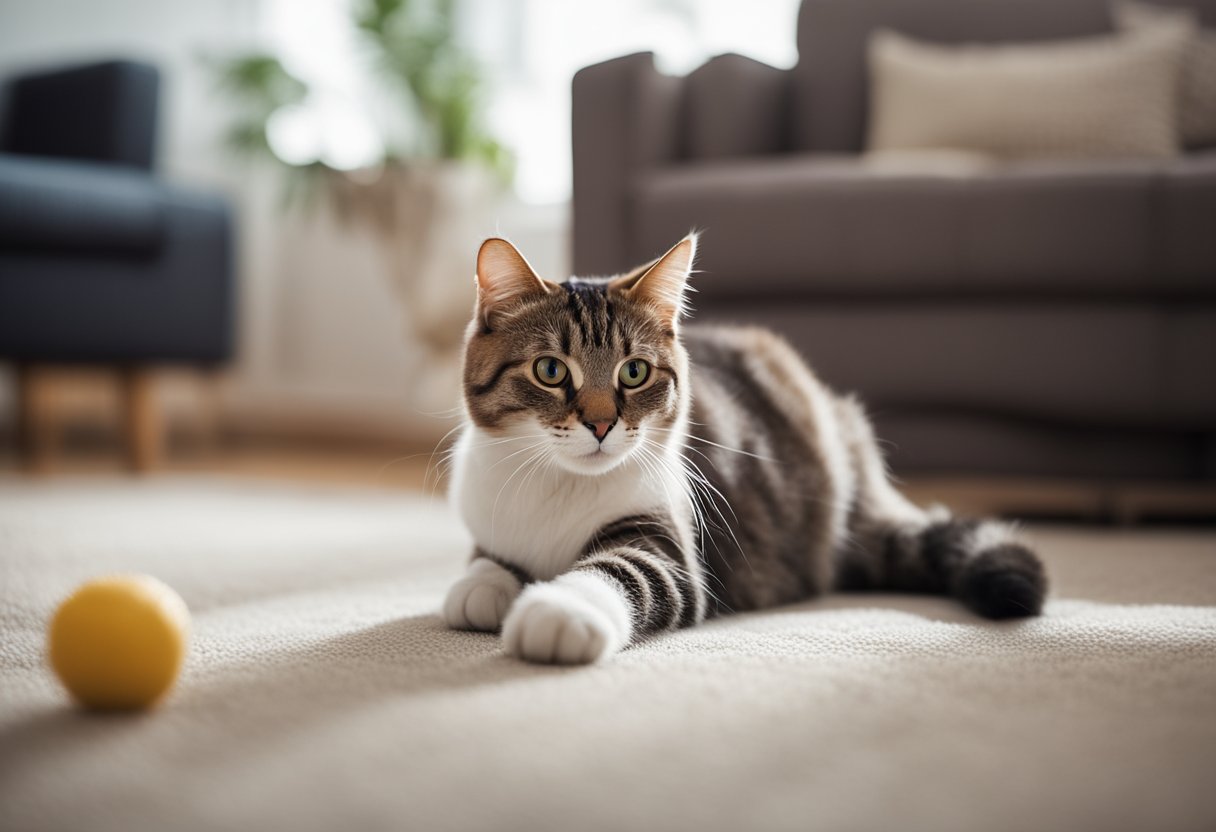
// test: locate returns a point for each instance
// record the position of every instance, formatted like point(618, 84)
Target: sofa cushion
point(814, 225)
point(1108, 96)
point(953, 443)
point(1125, 365)
point(1197, 99)
point(175, 305)
point(66, 207)
point(735, 107)
point(1188, 222)
point(830, 87)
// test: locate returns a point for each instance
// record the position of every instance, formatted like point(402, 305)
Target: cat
point(624, 475)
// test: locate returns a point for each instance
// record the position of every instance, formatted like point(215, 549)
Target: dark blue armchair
point(101, 262)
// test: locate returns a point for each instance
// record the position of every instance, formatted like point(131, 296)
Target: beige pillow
point(1197, 101)
point(1099, 97)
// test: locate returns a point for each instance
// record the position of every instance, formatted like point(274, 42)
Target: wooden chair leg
point(210, 389)
point(36, 429)
point(145, 431)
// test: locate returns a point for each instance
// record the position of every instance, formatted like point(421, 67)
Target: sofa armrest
point(104, 112)
point(626, 118)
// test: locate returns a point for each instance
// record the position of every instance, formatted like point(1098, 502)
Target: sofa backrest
point(829, 86)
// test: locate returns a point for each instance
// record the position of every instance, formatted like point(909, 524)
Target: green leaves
point(418, 52)
point(414, 48)
point(258, 84)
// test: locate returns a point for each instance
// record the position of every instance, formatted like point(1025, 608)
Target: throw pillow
point(1099, 97)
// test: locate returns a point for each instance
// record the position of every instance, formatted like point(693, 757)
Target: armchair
point(101, 262)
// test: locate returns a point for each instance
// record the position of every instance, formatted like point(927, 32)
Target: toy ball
point(117, 643)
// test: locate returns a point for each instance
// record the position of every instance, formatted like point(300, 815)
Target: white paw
point(566, 623)
point(480, 600)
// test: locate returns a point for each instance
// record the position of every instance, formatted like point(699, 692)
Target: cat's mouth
point(600, 454)
point(597, 461)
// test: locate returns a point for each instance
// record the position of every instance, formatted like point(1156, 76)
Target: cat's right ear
point(504, 278)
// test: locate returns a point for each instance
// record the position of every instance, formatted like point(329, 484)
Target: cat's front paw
point(563, 624)
point(480, 600)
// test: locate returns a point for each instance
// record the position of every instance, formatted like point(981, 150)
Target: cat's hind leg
point(894, 545)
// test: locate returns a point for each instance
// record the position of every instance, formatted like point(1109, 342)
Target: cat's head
point(589, 372)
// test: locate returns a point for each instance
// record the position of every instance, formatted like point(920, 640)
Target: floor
point(322, 691)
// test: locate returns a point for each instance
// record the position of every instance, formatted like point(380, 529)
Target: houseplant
point(427, 187)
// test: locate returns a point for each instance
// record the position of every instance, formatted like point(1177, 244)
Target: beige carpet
point(322, 693)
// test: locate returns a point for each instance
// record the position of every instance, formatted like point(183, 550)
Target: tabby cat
point(623, 476)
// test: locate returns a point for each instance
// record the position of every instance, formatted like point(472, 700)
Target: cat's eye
point(634, 372)
point(550, 371)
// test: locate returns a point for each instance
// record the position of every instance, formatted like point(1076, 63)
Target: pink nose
point(600, 429)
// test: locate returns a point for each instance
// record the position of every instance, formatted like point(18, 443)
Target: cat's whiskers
point(834, 502)
point(654, 472)
point(694, 497)
point(648, 459)
point(431, 461)
point(538, 452)
point(699, 482)
point(544, 464)
point(544, 441)
point(448, 456)
point(380, 471)
point(717, 445)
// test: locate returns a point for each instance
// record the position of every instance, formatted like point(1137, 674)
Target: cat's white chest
point(542, 517)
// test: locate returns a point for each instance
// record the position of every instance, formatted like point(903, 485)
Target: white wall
point(173, 34)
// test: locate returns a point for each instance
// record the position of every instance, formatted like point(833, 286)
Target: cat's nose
point(600, 429)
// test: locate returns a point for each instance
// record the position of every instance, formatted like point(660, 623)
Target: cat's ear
point(503, 278)
point(663, 284)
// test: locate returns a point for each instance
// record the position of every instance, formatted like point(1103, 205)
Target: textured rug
point(322, 692)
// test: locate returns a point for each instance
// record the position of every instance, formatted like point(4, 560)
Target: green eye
point(550, 371)
point(634, 372)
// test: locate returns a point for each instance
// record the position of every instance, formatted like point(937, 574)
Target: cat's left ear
point(664, 283)
point(504, 278)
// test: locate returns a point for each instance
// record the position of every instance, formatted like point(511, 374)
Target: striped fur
point(730, 480)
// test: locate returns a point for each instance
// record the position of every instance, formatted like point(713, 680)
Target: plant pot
point(430, 219)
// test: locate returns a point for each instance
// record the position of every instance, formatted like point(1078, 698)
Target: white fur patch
point(578, 619)
point(541, 516)
point(480, 600)
point(991, 534)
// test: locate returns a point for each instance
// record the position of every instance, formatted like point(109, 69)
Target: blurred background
point(238, 236)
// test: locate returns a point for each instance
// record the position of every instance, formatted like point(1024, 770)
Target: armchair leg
point(36, 432)
point(145, 431)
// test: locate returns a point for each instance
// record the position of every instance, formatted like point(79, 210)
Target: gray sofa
point(1055, 318)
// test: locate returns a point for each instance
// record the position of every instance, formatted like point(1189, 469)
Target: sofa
point(101, 261)
point(1044, 319)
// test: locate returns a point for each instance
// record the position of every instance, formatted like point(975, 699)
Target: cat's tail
point(982, 563)
point(894, 545)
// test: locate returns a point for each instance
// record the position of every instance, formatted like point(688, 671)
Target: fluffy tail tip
point(1004, 581)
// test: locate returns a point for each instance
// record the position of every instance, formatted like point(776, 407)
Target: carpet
point(322, 692)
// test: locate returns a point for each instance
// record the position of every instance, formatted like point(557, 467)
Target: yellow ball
point(118, 643)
